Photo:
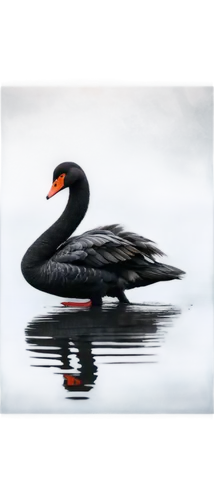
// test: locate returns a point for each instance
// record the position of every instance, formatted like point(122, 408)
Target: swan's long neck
point(45, 246)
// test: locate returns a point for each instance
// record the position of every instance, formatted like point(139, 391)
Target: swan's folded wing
point(147, 247)
point(105, 246)
point(95, 249)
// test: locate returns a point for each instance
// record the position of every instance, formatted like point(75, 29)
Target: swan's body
point(104, 261)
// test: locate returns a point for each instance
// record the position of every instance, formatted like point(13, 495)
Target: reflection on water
point(74, 342)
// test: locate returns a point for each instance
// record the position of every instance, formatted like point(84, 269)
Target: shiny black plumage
point(104, 261)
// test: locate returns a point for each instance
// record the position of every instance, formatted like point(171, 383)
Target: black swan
point(104, 261)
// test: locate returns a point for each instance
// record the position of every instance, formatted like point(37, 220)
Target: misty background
point(147, 153)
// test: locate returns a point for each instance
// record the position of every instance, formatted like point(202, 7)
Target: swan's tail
point(163, 272)
point(152, 274)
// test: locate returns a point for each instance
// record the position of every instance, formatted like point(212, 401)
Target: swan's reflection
point(76, 341)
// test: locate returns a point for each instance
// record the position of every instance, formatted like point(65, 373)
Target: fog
point(147, 153)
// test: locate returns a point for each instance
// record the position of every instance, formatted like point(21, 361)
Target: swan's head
point(65, 175)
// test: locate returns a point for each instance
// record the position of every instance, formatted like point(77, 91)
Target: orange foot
point(77, 304)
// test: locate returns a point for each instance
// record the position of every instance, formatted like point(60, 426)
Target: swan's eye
point(62, 175)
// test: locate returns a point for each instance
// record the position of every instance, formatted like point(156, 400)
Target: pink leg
point(77, 304)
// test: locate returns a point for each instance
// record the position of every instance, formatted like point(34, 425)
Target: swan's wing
point(147, 247)
point(105, 246)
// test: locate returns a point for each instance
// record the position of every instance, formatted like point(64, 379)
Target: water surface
point(139, 358)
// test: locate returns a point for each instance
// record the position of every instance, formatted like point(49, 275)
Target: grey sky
point(172, 124)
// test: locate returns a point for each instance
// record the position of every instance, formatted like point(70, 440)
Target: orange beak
point(57, 185)
point(72, 380)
